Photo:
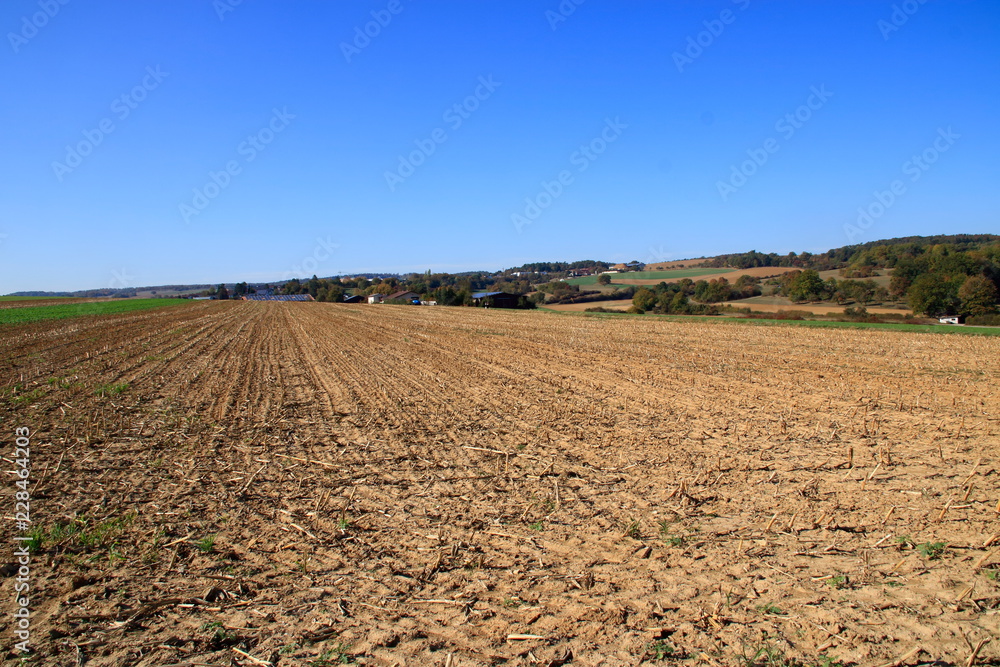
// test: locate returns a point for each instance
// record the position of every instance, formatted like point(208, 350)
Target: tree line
point(882, 253)
point(935, 276)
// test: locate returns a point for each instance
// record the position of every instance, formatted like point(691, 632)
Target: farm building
point(353, 298)
point(404, 295)
point(494, 299)
point(951, 319)
point(375, 298)
point(278, 297)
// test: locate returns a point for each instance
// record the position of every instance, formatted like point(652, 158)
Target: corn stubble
point(381, 482)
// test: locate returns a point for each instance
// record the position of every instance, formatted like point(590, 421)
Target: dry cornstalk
point(913, 653)
point(296, 458)
point(879, 543)
point(975, 652)
point(965, 593)
point(870, 475)
point(300, 528)
point(252, 478)
point(973, 473)
point(945, 509)
point(178, 540)
point(256, 661)
point(898, 565)
point(985, 559)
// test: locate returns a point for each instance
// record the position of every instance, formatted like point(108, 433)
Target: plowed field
point(729, 274)
point(306, 483)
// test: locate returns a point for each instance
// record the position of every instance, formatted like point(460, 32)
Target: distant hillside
point(124, 292)
point(883, 253)
point(944, 275)
point(171, 291)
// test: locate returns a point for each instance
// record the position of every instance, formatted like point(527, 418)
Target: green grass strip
point(66, 310)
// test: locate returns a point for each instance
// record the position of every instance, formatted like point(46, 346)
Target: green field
point(674, 274)
point(65, 310)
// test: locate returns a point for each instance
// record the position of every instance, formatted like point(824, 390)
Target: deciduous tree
point(978, 295)
point(644, 299)
point(933, 295)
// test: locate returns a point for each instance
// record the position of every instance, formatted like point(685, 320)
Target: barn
point(411, 297)
point(494, 299)
point(355, 298)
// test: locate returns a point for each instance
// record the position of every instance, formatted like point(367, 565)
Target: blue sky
point(201, 141)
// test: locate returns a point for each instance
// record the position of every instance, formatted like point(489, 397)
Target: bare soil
point(615, 304)
point(772, 304)
point(674, 264)
point(731, 276)
point(259, 483)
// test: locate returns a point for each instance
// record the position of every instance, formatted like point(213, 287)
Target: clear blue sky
point(200, 78)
